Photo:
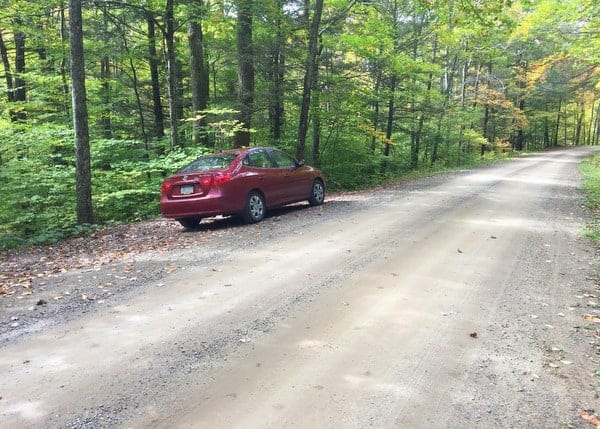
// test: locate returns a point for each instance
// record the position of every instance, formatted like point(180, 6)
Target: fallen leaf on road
point(473, 334)
point(553, 365)
point(590, 418)
point(591, 318)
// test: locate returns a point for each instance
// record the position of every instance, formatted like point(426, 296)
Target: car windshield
point(211, 162)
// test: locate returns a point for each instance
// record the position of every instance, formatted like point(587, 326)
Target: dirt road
point(456, 301)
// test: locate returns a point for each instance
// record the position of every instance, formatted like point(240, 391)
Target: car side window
point(282, 159)
point(258, 159)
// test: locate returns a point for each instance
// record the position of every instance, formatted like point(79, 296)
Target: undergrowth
point(590, 169)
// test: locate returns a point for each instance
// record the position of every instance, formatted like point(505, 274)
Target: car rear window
point(210, 162)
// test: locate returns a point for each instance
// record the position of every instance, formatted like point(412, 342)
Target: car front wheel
point(255, 209)
point(317, 193)
point(190, 222)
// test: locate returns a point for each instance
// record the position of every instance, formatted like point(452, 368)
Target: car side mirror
point(299, 163)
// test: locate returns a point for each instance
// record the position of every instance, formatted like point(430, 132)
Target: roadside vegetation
point(591, 177)
point(370, 92)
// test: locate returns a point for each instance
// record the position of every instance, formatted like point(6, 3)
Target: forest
point(100, 100)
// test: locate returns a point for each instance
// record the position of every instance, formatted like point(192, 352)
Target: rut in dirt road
point(446, 302)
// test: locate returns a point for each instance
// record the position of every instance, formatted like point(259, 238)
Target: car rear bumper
point(210, 205)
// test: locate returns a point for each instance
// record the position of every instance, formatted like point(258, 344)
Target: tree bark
point(80, 117)
point(19, 81)
point(245, 72)
point(174, 102)
point(105, 93)
point(309, 77)
point(557, 128)
point(7, 71)
point(276, 75)
point(198, 78)
point(157, 107)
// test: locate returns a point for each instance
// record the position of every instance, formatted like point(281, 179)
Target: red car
point(243, 182)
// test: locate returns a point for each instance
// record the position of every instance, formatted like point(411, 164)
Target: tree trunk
point(136, 90)
point(105, 120)
point(7, 71)
point(276, 78)
point(316, 109)
point(245, 72)
point(19, 86)
point(157, 107)
point(579, 124)
point(590, 131)
point(309, 77)
point(198, 78)
point(375, 122)
point(19, 81)
point(174, 103)
point(64, 74)
point(80, 117)
point(596, 134)
point(390, 117)
point(557, 128)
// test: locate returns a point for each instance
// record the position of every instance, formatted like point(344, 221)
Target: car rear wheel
point(190, 222)
point(317, 193)
point(254, 211)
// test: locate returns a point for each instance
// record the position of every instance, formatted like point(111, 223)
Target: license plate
point(187, 189)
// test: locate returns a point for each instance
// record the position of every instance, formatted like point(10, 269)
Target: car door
point(295, 182)
point(265, 177)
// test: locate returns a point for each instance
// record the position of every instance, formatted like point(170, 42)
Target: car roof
point(244, 150)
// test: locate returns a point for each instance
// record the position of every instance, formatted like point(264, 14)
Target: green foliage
point(38, 176)
point(463, 79)
point(590, 169)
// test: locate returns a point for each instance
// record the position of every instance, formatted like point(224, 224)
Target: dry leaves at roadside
point(21, 268)
point(590, 418)
point(592, 318)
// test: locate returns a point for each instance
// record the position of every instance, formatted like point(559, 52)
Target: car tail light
point(205, 182)
point(166, 187)
point(221, 178)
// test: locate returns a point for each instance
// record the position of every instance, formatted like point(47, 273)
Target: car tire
point(317, 193)
point(255, 208)
point(190, 222)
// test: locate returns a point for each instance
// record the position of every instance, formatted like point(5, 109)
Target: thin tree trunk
point(276, 78)
point(105, 120)
point(590, 131)
point(316, 109)
point(198, 78)
point(375, 122)
point(390, 116)
point(174, 102)
point(136, 90)
point(157, 107)
point(19, 81)
point(596, 136)
point(19, 85)
point(245, 72)
point(64, 57)
point(7, 71)
point(557, 128)
point(80, 117)
point(309, 77)
point(579, 124)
